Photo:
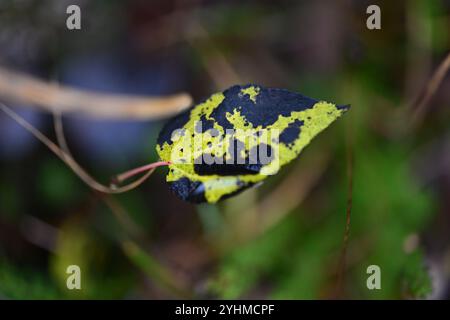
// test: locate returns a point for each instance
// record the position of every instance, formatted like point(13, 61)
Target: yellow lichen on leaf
point(199, 144)
point(252, 91)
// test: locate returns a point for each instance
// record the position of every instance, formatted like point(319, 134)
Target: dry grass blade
point(49, 96)
point(218, 66)
point(433, 85)
point(291, 192)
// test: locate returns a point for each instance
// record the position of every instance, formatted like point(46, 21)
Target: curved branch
point(49, 96)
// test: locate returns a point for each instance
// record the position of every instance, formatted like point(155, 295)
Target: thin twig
point(350, 163)
point(67, 158)
point(131, 173)
point(50, 96)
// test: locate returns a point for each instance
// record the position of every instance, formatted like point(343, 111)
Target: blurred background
point(283, 240)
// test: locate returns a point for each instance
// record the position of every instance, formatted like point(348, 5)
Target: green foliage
point(244, 266)
point(416, 279)
point(21, 283)
point(387, 199)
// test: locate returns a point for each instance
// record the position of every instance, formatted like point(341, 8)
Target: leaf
point(209, 162)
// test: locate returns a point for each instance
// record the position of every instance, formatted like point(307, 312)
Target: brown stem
point(128, 174)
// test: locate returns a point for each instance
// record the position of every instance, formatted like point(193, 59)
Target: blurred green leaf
point(25, 283)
